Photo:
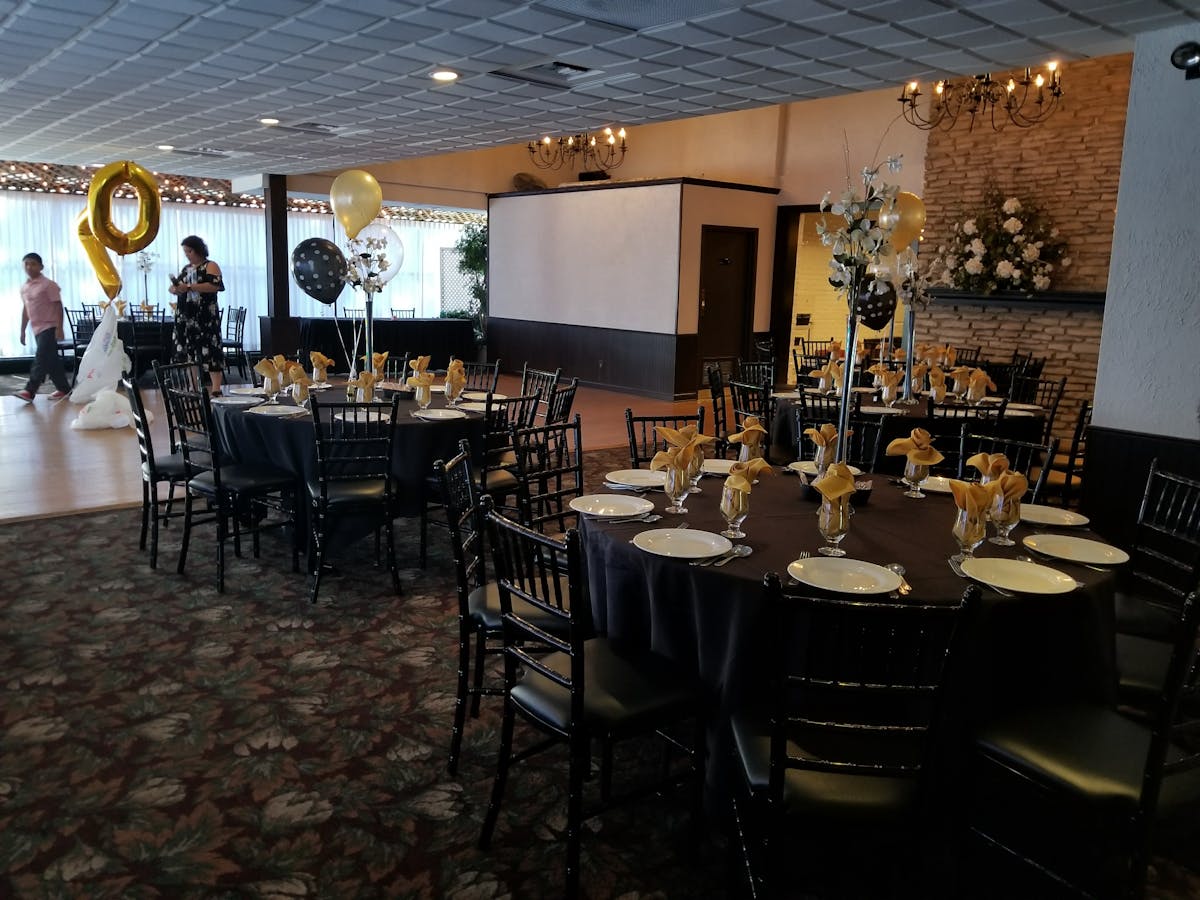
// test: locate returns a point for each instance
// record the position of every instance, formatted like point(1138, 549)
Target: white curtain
point(44, 224)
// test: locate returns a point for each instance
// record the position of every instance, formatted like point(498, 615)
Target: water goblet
point(453, 394)
point(822, 457)
point(889, 394)
point(423, 396)
point(695, 469)
point(914, 474)
point(969, 530)
point(735, 506)
point(1005, 514)
point(675, 486)
point(833, 521)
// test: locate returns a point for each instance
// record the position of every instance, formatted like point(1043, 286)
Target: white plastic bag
point(103, 362)
point(108, 410)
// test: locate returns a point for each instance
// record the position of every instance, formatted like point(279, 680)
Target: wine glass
point(889, 394)
point(695, 469)
point(735, 506)
point(821, 459)
point(423, 396)
point(969, 530)
point(1005, 514)
point(453, 393)
point(676, 485)
point(833, 521)
point(914, 474)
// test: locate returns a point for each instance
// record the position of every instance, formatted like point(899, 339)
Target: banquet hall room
point(649, 207)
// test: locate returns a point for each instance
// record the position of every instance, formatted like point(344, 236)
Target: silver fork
point(958, 570)
point(804, 554)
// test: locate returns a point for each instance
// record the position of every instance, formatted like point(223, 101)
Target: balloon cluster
point(95, 226)
point(319, 266)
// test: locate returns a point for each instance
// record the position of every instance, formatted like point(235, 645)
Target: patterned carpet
point(160, 740)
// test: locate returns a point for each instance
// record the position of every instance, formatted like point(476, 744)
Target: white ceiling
point(87, 81)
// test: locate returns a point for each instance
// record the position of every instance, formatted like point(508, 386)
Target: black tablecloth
point(289, 443)
point(1017, 424)
point(437, 338)
point(152, 339)
point(710, 620)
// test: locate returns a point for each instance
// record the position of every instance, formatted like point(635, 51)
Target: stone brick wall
point(1068, 339)
point(1070, 164)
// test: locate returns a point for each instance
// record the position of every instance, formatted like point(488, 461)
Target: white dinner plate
point(392, 386)
point(607, 506)
point(786, 395)
point(440, 414)
point(1021, 413)
point(248, 390)
point(1036, 514)
point(1032, 407)
point(844, 575)
point(1018, 575)
point(320, 386)
point(717, 466)
point(237, 401)
point(936, 484)
point(992, 400)
point(1076, 549)
point(278, 409)
point(682, 543)
point(863, 390)
point(373, 415)
point(808, 467)
point(882, 411)
point(482, 395)
point(473, 406)
point(641, 478)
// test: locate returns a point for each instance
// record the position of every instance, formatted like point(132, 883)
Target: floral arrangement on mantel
point(1008, 245)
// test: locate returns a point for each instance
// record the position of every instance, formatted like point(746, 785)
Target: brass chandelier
point(1023, 101)
point(602, 151)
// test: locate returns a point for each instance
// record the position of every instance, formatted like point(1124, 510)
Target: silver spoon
point(905, 588)
point(741, 551)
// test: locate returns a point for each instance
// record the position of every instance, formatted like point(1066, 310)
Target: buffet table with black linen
point(710, 621)
point(289, 442)
point(1022, 425)
point(439, 339)
point(147, 339)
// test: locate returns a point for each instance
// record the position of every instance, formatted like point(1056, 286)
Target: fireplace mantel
point(1021, 299)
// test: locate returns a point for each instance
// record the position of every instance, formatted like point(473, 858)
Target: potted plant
point(473, 249)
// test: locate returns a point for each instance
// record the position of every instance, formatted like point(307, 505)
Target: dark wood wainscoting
point(1115, 473)
point(638, 362)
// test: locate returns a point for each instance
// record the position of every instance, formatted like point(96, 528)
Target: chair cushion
point(245, 478)
point(1139, 612)
point(621, 693)
point(830, 795)
point(1142, 666)
point(169, 466)
point(484, 603)
point(349, 493)
point(1090, 752)
point(500, 481)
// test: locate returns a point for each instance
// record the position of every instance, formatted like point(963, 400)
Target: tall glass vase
point(910, 352)
point(847, 404)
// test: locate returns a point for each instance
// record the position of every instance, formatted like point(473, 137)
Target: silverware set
point(739, 551)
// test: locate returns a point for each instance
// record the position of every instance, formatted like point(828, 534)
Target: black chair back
point(539, 381)
point(751, 400)
point(1026, 457)
point(141, 426)
point(1166, 548)
point(756, 372)
point(403, 313)
point(716, 387)
point(395, 368)
point(191, 409)
point(482, 376)
point(460, 497)
point(644, 441)
point(549, 474)
point(561, 402)
point(1045, 392)
point(354, 452)
point(181, 376)
point(865, 440)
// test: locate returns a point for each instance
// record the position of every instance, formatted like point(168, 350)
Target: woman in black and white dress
point(197, 314)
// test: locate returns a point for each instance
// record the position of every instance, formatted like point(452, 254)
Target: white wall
point(1148, 378)
point(600, 257)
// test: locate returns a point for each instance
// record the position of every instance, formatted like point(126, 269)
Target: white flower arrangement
point(862, 240)
point(364, 263)
point(145, 259)
point(1007, 245)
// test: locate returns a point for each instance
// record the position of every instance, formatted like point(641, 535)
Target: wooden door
point(727, 274)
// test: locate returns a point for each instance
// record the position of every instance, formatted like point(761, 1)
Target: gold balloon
point(101, 262)
point(99, 207)
point(908, 210)
point(356, 199)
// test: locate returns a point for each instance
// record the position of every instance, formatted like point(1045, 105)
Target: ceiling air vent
point(324, 129)
point(214, 152)
point(555, 74)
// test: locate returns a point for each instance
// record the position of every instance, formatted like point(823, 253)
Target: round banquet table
point(289, 442)
point(1018, 424)
point(710, 621)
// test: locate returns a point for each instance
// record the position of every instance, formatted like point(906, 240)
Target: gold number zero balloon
point(909, 213)
point(99, 207)
point(102, 264)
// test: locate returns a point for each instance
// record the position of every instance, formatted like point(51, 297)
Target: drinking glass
point(695, 469)
point(833, 521)
point(914, 474)
point(423, 396)
point(676, 487)
point(750, 451)
point(453, 394)
point(821, 459)
point(889, 394)
point(1005, 514)
point(735, 506)
point(969, 530)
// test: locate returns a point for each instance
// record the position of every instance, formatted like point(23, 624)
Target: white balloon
point(393, 252)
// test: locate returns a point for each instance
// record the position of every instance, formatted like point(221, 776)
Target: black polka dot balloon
point(876, 310)
point(318, 266)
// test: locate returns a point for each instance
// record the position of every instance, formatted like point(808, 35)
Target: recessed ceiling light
point(443, 75)
point(166, 146)
point(268, 121)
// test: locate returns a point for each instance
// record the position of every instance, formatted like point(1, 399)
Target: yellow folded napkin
point(419, 365)
point(972, 497)
point(951, 356)
point(682, 437)
point(962, 377)
point(365, 382)
point(300, 382)
point(673, 458)
point(825, 436)
point(891, 379)
point(320, 366)
point(937, 384)
point(1011, 486)
point(147, 307)
point(828, 375)
point(751, 435)
point(836, 483)
point(879, 369)
point(378, 362)
point(836, 351)
point(917, 447)
point(456, 378)
point(979, 384)
point(742, 474)
point(918, 372)
point(990, 465)
point(271, 376)
point(899, 353)
point(120, 304)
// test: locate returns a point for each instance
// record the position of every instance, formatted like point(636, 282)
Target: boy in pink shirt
point(42, 311)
